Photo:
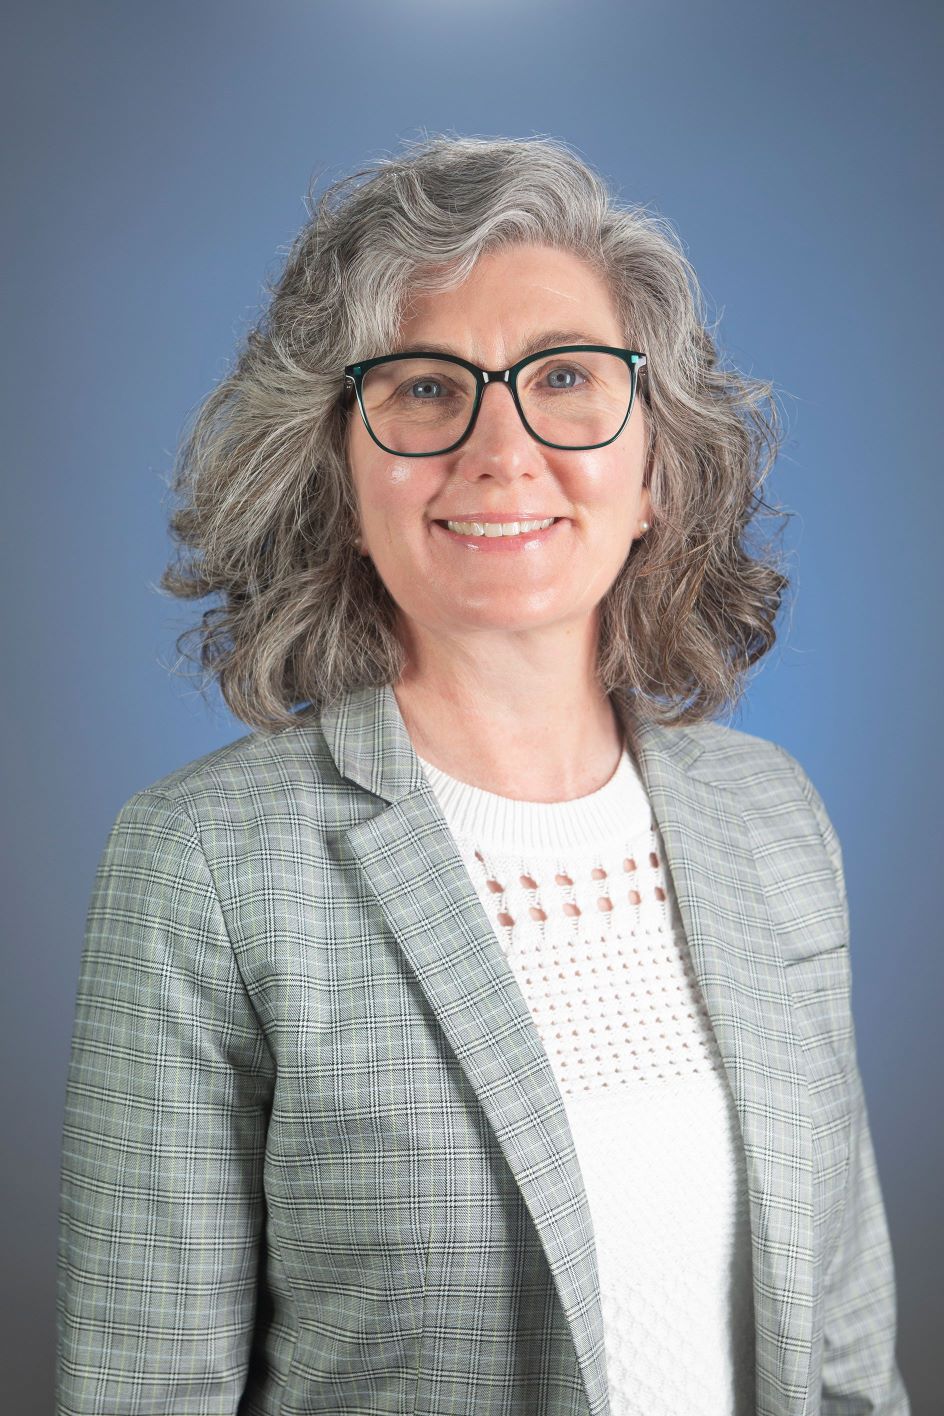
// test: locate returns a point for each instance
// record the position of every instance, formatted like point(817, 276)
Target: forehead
point(512, 295)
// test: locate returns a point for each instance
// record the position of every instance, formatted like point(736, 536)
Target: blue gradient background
point(154, 169)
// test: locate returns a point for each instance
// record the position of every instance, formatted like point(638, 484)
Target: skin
point(499, 690)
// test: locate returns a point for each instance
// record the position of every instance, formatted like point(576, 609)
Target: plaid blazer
point(314, 1156)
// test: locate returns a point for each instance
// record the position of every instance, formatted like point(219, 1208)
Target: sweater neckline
point(614, 813)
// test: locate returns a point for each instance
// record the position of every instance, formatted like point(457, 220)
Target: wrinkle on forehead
point(562, 293)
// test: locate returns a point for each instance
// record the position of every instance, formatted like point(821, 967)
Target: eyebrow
point(547, 339)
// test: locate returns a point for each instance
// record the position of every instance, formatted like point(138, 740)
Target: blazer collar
point(720, 875)
point(371, 746)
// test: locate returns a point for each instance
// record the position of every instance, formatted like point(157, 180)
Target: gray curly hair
point(267, 515)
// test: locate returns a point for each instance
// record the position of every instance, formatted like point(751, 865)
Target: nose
point(499, 437)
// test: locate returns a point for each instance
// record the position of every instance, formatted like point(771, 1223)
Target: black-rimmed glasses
point(575, 397)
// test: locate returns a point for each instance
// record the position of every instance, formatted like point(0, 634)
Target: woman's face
point(452, 586)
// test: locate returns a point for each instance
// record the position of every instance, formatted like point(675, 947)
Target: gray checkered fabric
point(314, 1156)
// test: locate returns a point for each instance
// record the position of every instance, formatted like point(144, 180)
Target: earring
point(644, 525)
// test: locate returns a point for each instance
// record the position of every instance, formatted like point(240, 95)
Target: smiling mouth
point(495, 528)
point(489, 539)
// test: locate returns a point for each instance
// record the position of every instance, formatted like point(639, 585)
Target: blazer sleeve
point(170, 1081)
point(860, 1373)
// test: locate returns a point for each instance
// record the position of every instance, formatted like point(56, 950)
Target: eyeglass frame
point(354, 376)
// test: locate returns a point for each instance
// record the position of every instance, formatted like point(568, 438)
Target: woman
point(474, 1035)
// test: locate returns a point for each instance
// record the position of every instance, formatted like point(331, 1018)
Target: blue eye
point(567, 373)
point(425, 383)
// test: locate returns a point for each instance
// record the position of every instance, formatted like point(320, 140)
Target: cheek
point(398, 490)
point(607, 481)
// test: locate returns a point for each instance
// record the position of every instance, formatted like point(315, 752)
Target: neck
point(509, 738)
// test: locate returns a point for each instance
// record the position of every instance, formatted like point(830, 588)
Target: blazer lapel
point(423, 888)
point(721, 884)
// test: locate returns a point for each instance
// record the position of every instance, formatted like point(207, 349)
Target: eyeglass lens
point(417, 405)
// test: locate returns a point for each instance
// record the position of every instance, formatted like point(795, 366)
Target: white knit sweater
point(582, 902)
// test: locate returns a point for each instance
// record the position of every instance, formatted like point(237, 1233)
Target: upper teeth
point(498, 528)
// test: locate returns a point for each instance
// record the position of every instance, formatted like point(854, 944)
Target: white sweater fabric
point(581, 900)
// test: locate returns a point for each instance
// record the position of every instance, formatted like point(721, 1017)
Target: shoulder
point(255, 778)
point(729, 757)
point(766, 778)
